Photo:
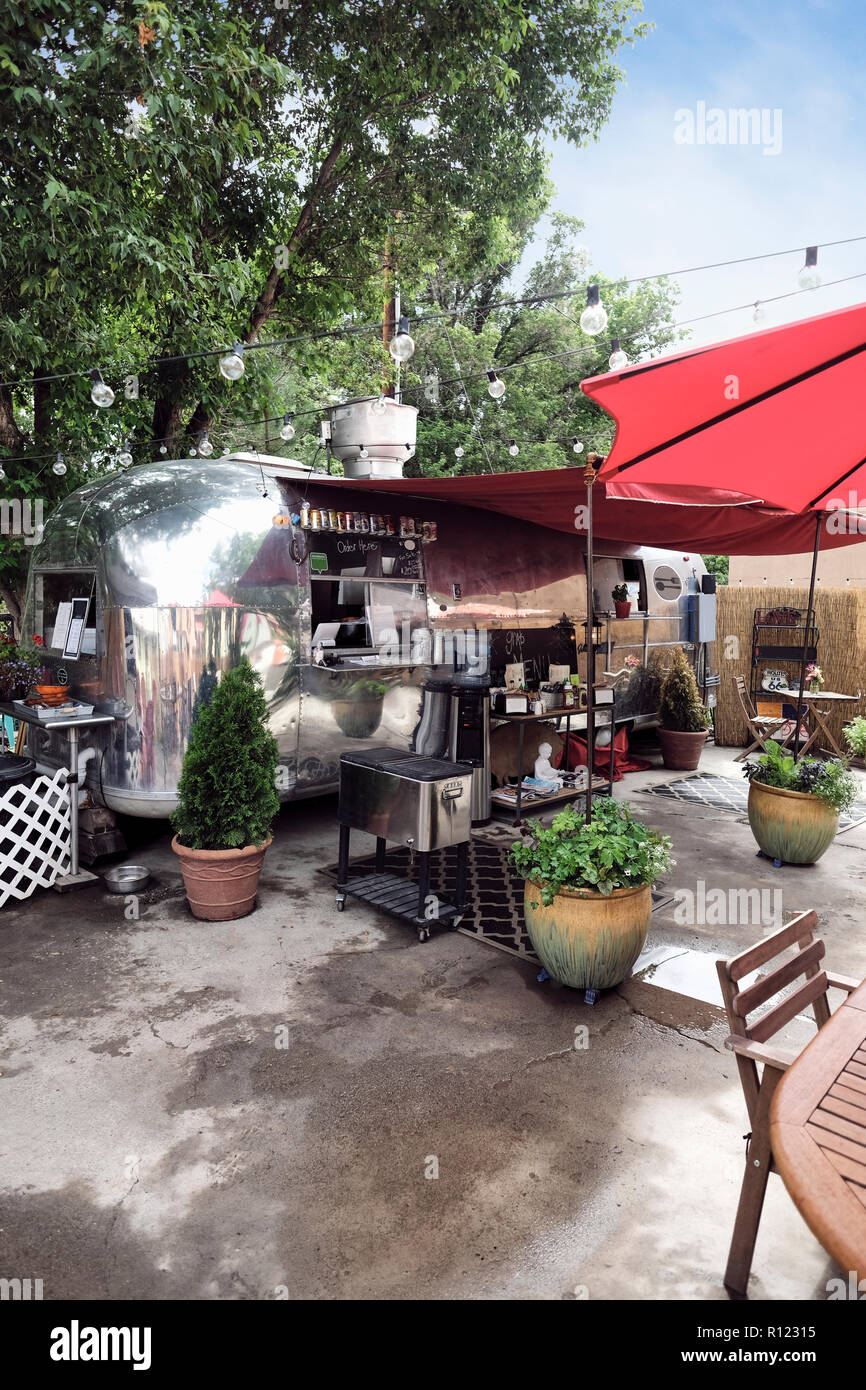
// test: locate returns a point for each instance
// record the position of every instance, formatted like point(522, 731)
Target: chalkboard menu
point(535, 647)
point(379, 557)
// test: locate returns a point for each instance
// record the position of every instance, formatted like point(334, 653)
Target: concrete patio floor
point(248, 1110)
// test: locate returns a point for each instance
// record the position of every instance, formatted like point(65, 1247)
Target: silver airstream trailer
point(181, 568)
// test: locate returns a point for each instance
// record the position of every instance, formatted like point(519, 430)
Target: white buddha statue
point(544, 770)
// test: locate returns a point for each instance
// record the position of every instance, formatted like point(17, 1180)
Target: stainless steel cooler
point(422, 803)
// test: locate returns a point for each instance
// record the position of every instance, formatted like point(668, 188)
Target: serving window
point(64, 613)
point(368, 595)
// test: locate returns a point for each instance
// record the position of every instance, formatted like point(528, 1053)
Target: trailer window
point(64, 612)
point(667, 583)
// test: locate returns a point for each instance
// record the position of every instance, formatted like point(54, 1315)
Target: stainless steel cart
point(423, 803)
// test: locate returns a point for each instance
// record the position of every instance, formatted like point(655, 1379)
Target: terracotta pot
point(622, 609)
point(220, 884)
point(680, 751)
point(358, 718)
point(794, 827)
point(584, 939)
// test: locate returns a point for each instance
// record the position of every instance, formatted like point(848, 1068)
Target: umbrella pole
point(804, 657)
point(593, 462)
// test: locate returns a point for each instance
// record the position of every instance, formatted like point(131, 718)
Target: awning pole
point(804, 657)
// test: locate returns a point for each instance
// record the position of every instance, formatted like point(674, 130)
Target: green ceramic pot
point(587, 940)
point(795, 827)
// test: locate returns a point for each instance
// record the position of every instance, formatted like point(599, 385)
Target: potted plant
point(18, 670)
point(794, 807)
point(684, 720)
point(855, 737)
point(358, 708)
point(587, 897)
point(621, 600)
point(227, 799)
point(814, 677)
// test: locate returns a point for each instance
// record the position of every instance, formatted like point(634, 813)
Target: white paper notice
point(515, 674)
point(61, 626)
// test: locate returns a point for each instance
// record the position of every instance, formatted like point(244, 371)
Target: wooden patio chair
point(750, 1044)
point(761, 726)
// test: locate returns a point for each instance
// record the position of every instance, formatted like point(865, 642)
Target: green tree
point(175, 176)
point(720, 566)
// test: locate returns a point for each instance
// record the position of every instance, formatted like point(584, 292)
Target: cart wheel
point(455, 921)
point(341, 903)
point(423, 933)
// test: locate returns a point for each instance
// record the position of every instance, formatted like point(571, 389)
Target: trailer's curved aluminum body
point(188, 567)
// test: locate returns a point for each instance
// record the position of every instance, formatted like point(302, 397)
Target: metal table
point(562, 798)
point(70, 726)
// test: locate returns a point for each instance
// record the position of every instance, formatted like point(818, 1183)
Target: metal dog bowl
point(126, 878)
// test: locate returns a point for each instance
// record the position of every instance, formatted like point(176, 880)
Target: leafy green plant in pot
point(683, 717)
point(358, 707)
point(855, 737)
point(621, 600)
point(227, 799)
point(794, 807)
point(587, 897)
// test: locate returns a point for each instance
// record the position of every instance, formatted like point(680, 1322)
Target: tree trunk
point(14, 604)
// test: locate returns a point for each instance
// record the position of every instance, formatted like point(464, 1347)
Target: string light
point(124, 458)
point(618, 359)
point(163, 449)
point(58, 467)
point(809, 277)
point(593, 320)
point(495, 387)
point(100, 394)
point(401, 346)
point(2, 472)
point(287, 429)
point(513, 448)
point(378, 407)
point(205, 447)
point(363, 452)
point(232, 365)
point(576, 445)
point(759, 313)
point(459, 451)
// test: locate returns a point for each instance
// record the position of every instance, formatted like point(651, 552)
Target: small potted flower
point(794, 807)
point(621, 600)
point(814, 677)
point(588, 892)
point(18, 670)
point(357, 707)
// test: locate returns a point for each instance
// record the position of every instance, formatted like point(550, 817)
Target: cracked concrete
point(230, 1110)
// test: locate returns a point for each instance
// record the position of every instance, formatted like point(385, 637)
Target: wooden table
point(818, 1134)
point(811, 698)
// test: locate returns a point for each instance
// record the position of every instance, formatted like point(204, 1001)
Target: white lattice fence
point(34, 836)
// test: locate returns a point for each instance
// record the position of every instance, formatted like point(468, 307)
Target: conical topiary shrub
point(682, 714)
point(227, 798)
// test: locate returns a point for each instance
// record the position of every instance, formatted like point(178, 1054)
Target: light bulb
point(378, 408)
point(618, 358)
point(401, 346)
point(759, 313)
point(192, 452)
point(163, 449)
point(593, 320)
point(58, 467)
point(2, 472)
point(124, 458)
point(287, 429)
point(576, 445)
point(495, 387)
point(205, 447)
point(461, 405)
point(809, 277)
point(363, 452)
point(100, 394)
point(513, 448)
point(232, 365)
point(459, 451)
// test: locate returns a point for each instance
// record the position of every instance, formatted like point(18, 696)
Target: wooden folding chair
point(761, 726)
point(749, 1043)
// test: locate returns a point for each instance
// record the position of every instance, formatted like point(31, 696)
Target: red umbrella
point(774, 415)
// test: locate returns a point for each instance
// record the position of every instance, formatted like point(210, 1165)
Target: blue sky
point(651, 204)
